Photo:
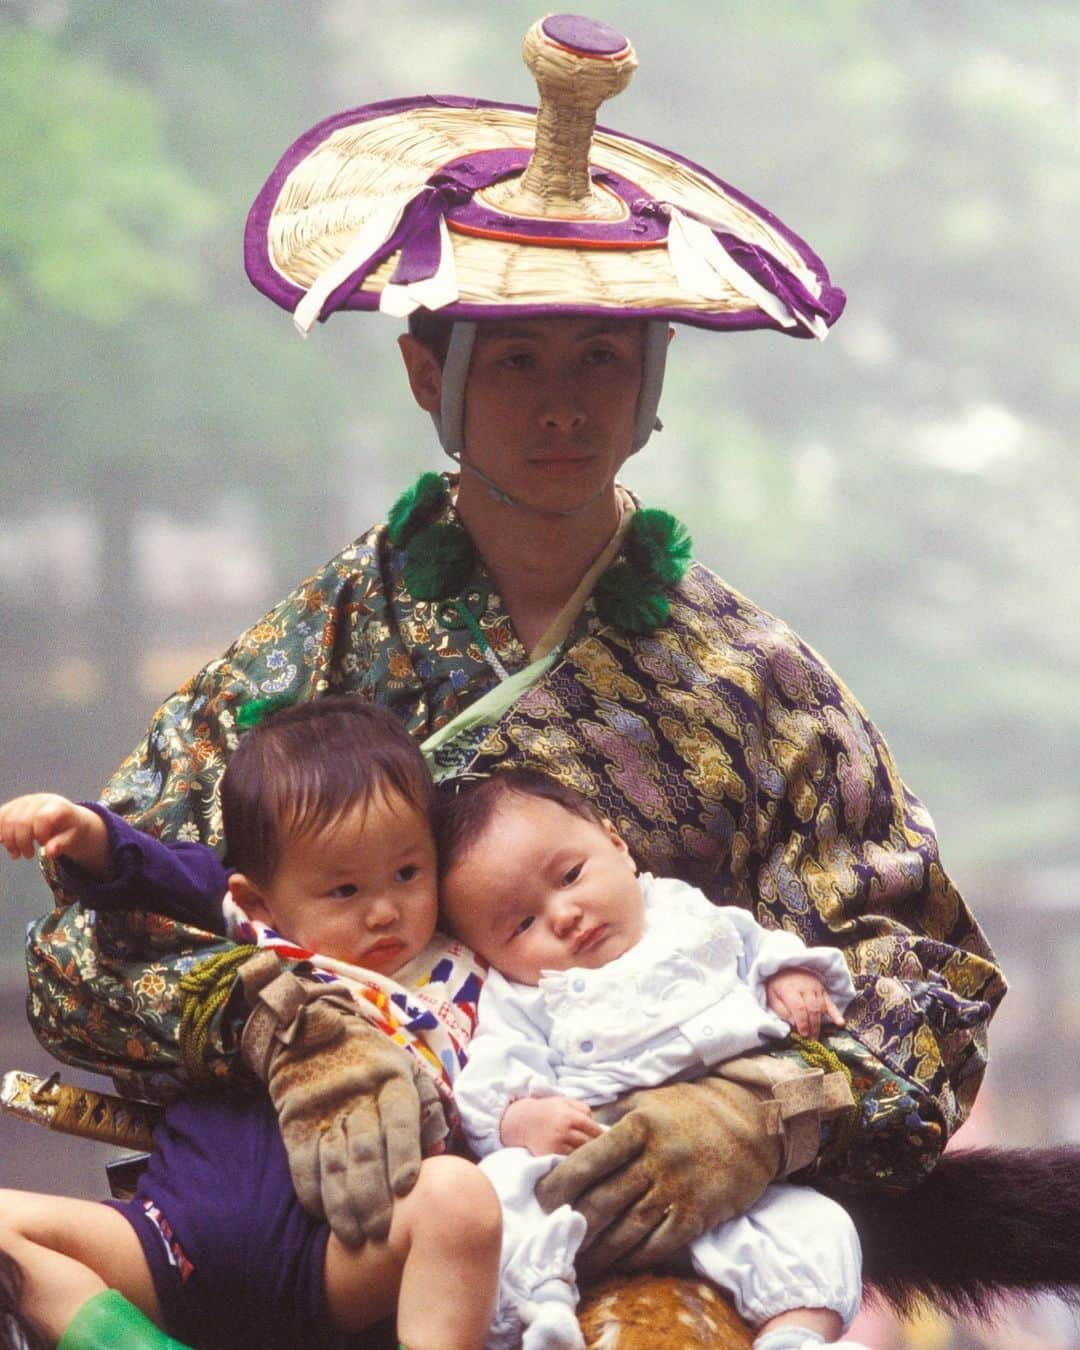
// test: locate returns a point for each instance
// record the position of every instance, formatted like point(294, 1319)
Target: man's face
point(550, 406)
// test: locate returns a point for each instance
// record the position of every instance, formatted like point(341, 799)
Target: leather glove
point(677, 1160)
point(356, 1111)
point(684, 1157)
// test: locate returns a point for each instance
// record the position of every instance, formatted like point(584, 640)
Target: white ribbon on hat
point(703, 265)
point(399, 301)
point(374, 232)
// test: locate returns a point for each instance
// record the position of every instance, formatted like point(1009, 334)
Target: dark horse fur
point(987, 1223)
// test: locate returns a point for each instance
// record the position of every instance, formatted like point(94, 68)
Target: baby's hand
point(547, 1125)
point(59, 826)
point(801, 1000)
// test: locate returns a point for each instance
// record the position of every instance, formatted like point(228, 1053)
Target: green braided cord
point(472, 623)
point(204, 990)
point(819, 1056)
point(253, 710)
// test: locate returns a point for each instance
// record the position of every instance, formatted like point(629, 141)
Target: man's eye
point(343, 892)
point(600, 356)
point(517, 361)
point(407, 873)
point(524, 926)
point(570, 877)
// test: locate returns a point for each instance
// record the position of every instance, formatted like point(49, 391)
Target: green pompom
point(440, 561)
point(252, 712)
point(659, 544)
point(630, 600)
point(414, 506)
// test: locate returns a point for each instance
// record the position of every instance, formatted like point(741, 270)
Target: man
point(528, 611)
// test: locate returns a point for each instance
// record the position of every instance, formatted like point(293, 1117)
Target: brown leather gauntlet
point(357, 1112)
point(686, 1156)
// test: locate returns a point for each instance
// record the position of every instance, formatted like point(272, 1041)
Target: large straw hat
point(483, 210)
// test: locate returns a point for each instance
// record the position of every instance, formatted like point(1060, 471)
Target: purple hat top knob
point(584, 37)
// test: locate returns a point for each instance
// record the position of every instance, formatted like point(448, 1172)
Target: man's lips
point(556, 462)
point(590, 938)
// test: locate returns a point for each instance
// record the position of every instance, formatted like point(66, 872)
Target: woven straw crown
point(481, 210)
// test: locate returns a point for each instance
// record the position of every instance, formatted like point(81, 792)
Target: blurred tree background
point(906, 496)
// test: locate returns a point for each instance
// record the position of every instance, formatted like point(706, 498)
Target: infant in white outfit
point(602, 982)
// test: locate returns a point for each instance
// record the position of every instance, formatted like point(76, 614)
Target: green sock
point(108, 1321)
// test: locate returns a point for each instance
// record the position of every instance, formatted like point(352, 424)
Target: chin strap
point(450, 419)
point(654, 361)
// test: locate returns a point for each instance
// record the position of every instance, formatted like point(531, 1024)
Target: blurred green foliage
point(112, 213)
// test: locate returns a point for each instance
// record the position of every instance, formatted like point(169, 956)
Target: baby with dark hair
point(604, 981)
point(327, 814)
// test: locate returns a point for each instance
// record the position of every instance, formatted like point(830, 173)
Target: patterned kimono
point(723, 749)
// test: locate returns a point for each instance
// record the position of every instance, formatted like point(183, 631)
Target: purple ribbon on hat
point(417, 234)
point(771, 273)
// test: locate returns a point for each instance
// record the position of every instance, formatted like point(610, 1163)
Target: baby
point(603, 981)
point(327, 814)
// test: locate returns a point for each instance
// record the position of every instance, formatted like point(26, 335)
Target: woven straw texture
point(332, 193)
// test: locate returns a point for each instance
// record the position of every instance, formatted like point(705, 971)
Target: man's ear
point(424, 372)
point(250, 898)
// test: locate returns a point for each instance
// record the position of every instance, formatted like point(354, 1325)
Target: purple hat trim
point(634, 230)
point(449, 195)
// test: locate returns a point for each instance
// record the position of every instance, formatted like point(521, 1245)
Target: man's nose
point(560, 408)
